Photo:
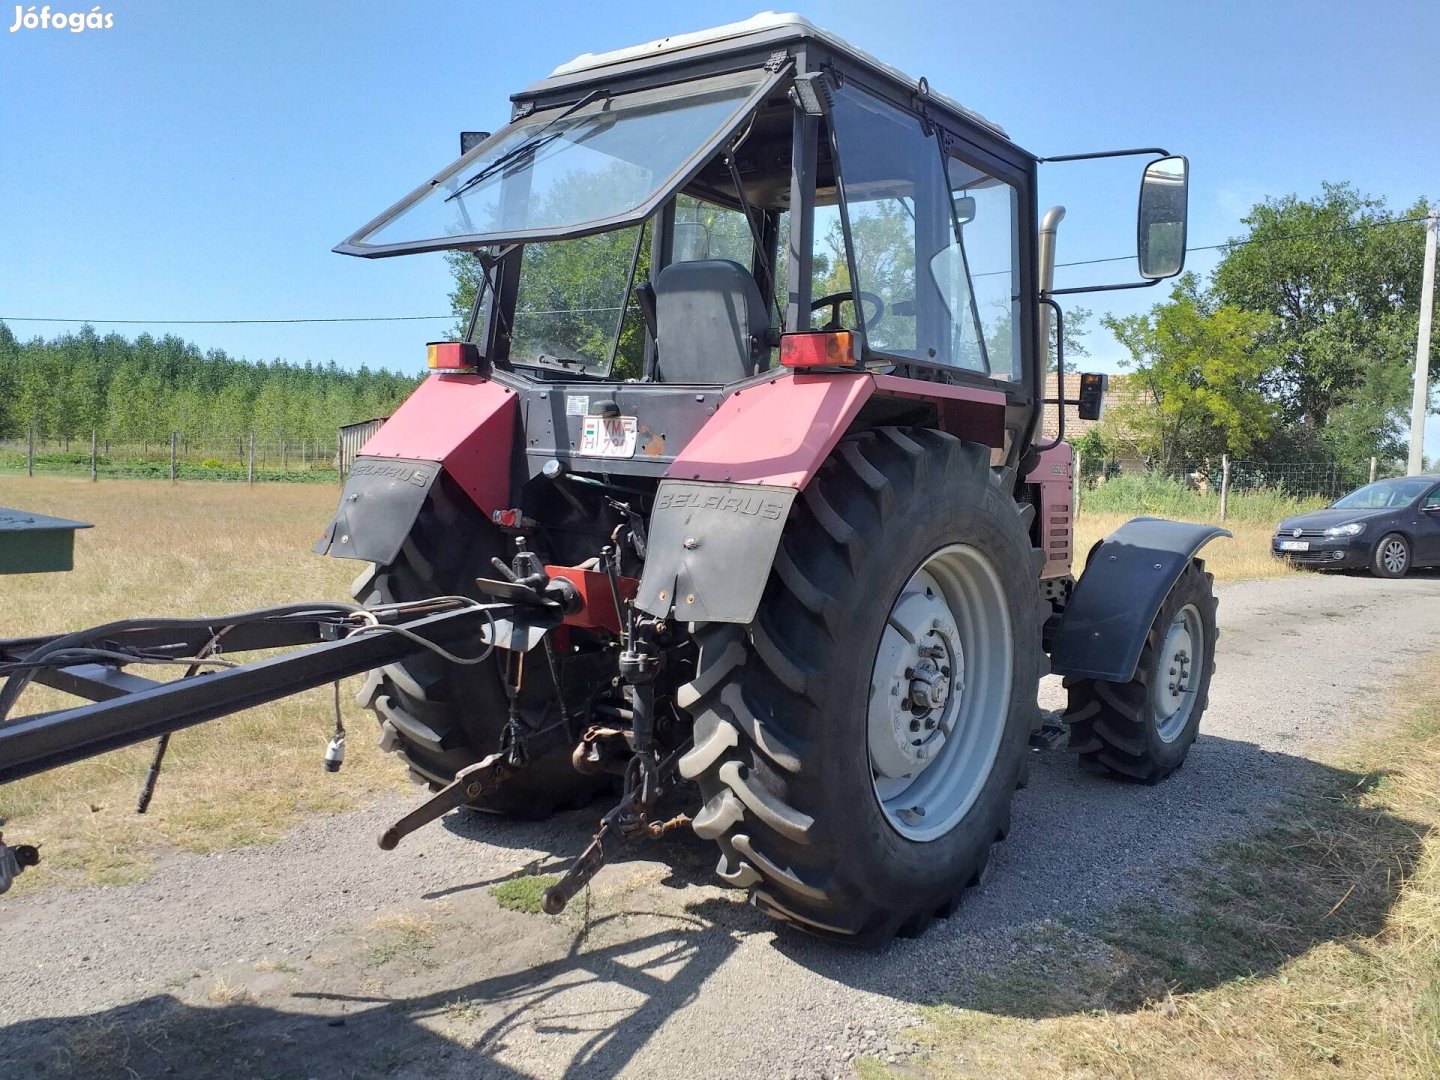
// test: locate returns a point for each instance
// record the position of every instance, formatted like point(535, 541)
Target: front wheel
point(857, 746)
point(1391, 558)
point(1142, 730)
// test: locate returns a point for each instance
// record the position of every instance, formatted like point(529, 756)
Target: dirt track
point(270, 962)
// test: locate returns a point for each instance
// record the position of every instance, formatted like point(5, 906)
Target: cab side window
point(1432, 501)
point(934, 242)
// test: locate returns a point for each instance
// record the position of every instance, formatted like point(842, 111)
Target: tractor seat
point(712, 324)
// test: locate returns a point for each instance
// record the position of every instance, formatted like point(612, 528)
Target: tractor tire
point(1391, 557)
point(1142, 730)
point(440, 717)
point(799, 716)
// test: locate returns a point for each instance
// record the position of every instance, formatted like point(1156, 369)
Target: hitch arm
point(470, 783)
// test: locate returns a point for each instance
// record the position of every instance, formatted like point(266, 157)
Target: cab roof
point(768, 27)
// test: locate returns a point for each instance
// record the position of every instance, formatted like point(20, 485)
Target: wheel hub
point(1173, 686)
point(923, 665)
point(940, 692)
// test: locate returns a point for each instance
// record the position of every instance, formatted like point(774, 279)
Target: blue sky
point(199, 159)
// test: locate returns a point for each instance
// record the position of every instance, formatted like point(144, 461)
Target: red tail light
point(834, 348)
point(452, 356)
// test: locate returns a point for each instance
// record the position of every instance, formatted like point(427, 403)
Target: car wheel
point(1391, 558)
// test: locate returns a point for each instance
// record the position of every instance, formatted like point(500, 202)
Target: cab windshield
point(561, 171)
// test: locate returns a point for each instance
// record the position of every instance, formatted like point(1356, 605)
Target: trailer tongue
point(326, 642)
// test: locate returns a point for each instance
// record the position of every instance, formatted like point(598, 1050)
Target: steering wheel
point(834, 300)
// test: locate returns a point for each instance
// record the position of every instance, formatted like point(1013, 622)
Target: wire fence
point(246, 459)
point(1222, 488)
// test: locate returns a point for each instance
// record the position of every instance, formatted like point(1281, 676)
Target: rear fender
point(1126, 579)
point(721, 509)
point(462, 424)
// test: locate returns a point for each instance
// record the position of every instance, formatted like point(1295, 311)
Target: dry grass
point(1246, 556)
point(1309, 948)
point(226, 993)
point(403, 937)
point(182, 550)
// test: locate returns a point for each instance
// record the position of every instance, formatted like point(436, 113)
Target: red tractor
point(739, 457)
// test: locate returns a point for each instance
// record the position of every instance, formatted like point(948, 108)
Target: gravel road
point(322, 956)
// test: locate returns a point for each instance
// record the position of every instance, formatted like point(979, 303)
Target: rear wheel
point(1142, 730)
point(440, 717)
point(858, 744)
point(1391, 558)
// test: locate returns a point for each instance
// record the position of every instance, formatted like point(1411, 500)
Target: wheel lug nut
point(914, 725)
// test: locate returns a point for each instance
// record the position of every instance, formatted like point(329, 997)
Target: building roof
point(1121, 391)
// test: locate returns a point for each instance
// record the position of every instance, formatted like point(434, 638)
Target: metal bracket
point(777, 60)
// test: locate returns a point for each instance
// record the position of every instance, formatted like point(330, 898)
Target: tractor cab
point(692, 211)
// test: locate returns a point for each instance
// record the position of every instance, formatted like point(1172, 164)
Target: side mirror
point(1164, 207)
point(1092, 395)
point(964, 209)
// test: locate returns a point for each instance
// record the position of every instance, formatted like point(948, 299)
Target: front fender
point(1126, 579)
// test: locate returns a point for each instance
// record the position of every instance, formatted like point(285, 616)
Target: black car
point(1385, 527)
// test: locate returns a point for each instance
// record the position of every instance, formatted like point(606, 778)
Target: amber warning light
point(818, 349)
point(452, 356)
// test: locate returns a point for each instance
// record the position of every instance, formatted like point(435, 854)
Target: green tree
point(1342, 291)
point(1200, 369)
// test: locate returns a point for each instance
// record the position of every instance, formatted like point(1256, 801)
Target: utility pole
point(1421, 404)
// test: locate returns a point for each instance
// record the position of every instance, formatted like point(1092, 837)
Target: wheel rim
point(1393, 555)
point(940, 692)
point(1176, 680)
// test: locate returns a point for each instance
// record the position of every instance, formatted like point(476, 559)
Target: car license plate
point(1294, 545)
point(608, 436)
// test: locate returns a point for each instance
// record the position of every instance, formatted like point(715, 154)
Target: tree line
point(1299, 347)
point(143, 389)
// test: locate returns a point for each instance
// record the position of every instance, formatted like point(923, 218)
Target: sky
point(198, 159)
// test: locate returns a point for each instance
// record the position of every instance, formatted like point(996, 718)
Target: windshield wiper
point(530, 145)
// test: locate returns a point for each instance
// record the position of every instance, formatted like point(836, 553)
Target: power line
point(226, 322)
point(436, 318)
point(1260, 240)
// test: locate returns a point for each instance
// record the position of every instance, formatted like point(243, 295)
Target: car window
point(1432, 501)
point(1383, 495)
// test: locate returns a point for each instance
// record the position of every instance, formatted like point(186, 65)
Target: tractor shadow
point(1105, 895)
point(1108, 895)
point(459, 1031)
point(688, 860)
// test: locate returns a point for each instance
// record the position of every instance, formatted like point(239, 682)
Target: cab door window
point(914, 269)
point(987, 212)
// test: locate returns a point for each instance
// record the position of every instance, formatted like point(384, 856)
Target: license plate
point(1294, 545)
point(608, 436)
